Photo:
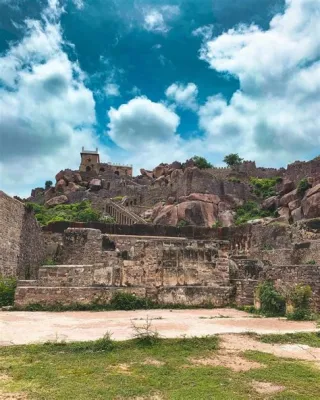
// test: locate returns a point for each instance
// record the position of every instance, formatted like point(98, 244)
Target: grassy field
point(135, 369)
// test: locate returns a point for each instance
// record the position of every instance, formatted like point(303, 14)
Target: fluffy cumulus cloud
point(276, 109)
point(148, 131)
point(157, 19)
point(46, 112)
point(184, 96)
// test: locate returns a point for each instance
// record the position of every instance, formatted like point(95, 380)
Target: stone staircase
point(122, 215)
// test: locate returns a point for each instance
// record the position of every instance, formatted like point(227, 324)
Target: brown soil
point(153, 361)
point(228, 360)
point(266, 387)
point(13, 396)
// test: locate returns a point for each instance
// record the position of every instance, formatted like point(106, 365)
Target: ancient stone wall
point(22, 247)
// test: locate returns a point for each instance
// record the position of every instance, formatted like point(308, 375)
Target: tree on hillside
point(48, 184)
point(233, 160)
point(201, 162)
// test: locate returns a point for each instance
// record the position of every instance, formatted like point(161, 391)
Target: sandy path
point(35, 327)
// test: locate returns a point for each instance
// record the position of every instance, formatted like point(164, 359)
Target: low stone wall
point(22, 247)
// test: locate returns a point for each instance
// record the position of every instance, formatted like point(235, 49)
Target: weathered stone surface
point(146, 173)
point(311, 206)
point(72, 187)
point(287, 186)
point(167, 215)
point(198, 213)
point(22, 248)
point(159, 171)
point(296, 214)
point(77, 177)
point(226, 218)
point(171, 200)
point(175, 165)
point(48, 194)
point(56, 201)
point(287, 198)
point(271, 203)
point(95, 184)
point(61, 184)
point(208, 198)
point(294, 204)
point(313, 190)
point(284, 212)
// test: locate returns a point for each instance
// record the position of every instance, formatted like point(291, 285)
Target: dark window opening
point(88, 168)
point(116, 173)
point(108, 185)
point(108, 244)
point(102, 169)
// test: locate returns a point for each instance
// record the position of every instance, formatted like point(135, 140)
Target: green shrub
point(272, 302)
point(251, 210)
point(129, 301)
point(311, 262)
point(217, 224)
point(303, 186)
point(300, 297)
point(7, 291)
point(201, 162)
point(76, 212)
point(264, 187)
point(232, 160)
point(182, 223)
point(234, 180)
point(48, 184)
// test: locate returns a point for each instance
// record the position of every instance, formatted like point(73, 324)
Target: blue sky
point(153, 80)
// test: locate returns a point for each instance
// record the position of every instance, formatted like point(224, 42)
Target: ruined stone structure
point(21, 242)
point(221, 266)
point(90, 161)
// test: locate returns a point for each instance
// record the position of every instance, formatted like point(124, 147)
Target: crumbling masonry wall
point(22, 247)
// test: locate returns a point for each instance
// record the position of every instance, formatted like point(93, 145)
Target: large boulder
point(313, 190)
point(198, 213)
point(294, 204)
point(297, 214)
point(175, 165)
point(166, 215)
point(146, 173)
point(77, 177)
point(311, 205)
point(287, 187)
point(60, 185)
point(49, 194)
point(207, 198)
point(72, 187)
point(66, 174)
point(159, 170)
point(226, 218)
point(284, 212)
point(287, 198)
point(271, 203)
point(55, 201)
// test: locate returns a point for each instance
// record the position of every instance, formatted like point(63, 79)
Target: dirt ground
point(37, 327)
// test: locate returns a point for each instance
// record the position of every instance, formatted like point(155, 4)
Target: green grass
point(118, 370)
point(309, 338)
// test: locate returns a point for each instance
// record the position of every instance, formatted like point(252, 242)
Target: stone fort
point(157, 258)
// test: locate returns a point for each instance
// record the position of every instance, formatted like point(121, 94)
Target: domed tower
point(90, 160)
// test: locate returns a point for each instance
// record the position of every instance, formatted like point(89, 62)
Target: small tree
point(201, 162)
point(48, 184)
point(233, 160)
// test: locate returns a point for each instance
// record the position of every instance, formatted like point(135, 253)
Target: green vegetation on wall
point(77, 212)
point(303, 186)
point(251, 210)
point(7, 290)
point(272, 302)
point(264, 187)
point(201, 162)
point(233, 160)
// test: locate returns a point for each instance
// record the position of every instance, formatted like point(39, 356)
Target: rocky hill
point(182, 194)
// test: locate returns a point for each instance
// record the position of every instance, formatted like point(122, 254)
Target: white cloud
point(112, 90)
point(184, 96)
point(46, 112)
point(79, 4)
point(148, 131)
point(156, 19)
point(274, 116)
point(141, 122)
point(205, 32)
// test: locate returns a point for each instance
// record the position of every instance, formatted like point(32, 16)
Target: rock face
point(311, 205)
point(287, 198)
point(56, 201)
point(271, 203)
point(196, 209)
